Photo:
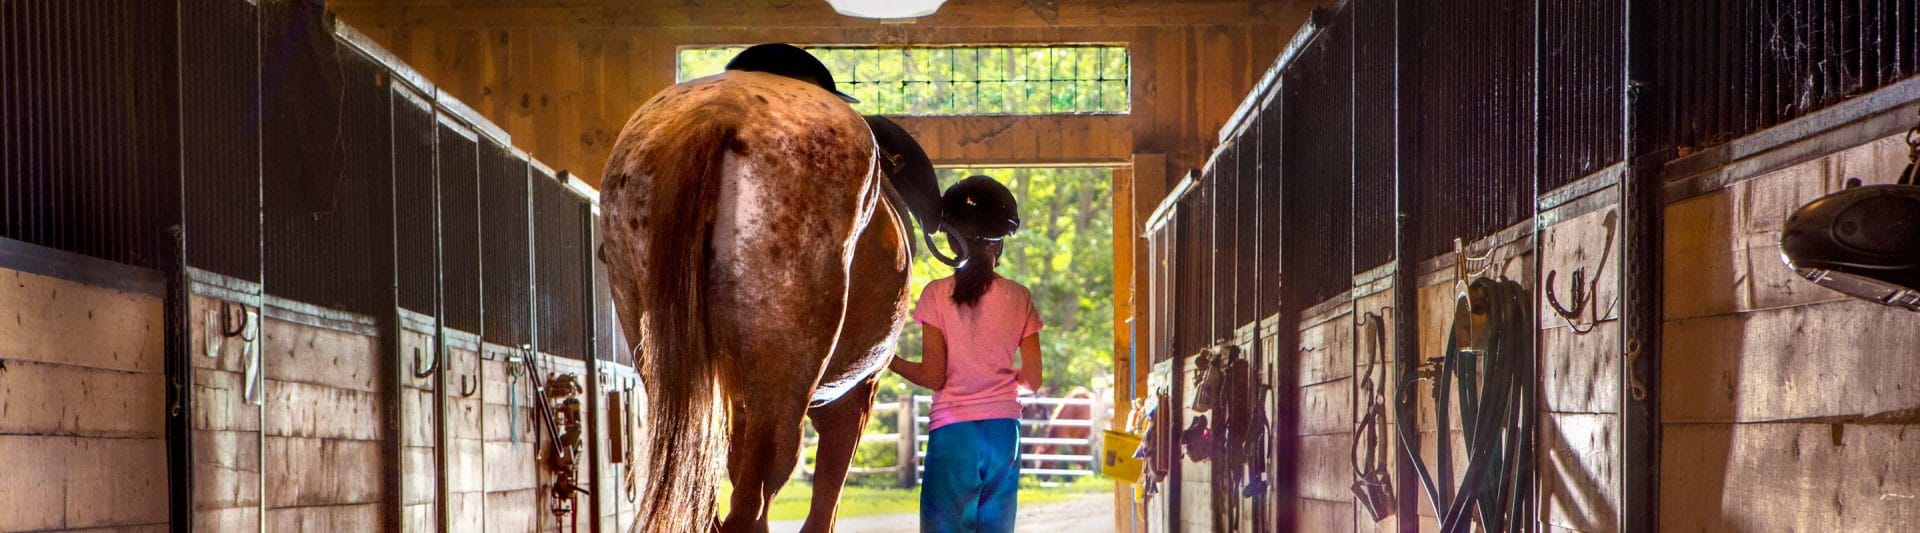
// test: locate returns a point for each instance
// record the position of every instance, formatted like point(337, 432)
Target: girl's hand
point(931, 370)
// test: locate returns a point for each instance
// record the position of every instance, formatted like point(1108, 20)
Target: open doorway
point(1063, 254)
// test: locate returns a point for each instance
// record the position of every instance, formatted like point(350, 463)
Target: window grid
point(970, 80)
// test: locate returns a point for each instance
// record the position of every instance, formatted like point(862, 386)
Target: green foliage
point(969, 80)
point(1063, 253)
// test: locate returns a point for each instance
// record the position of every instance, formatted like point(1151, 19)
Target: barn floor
point(1087, 514)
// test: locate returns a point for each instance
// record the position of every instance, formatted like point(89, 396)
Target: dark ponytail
point(974, 277)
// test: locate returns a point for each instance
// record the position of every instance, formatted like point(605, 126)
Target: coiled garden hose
point(1489, 362)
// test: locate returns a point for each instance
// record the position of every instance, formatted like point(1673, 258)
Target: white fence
point(1069, 457)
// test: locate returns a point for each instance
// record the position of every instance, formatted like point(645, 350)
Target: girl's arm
point(1029, 375)
point(931, 370)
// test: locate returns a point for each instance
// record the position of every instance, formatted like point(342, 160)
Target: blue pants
point(972, 476)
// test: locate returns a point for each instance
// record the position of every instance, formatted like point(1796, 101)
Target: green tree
point(1063, 253)
point(962, 80)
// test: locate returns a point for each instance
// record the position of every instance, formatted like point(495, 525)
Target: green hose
point(1494, 376)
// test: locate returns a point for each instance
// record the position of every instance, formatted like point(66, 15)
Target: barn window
point(963, 80)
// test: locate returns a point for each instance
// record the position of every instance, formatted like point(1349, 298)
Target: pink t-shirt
point(982, 340)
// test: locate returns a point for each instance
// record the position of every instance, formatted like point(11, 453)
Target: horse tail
point(684, 451)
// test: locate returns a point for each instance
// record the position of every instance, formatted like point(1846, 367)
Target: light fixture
point(886, 9)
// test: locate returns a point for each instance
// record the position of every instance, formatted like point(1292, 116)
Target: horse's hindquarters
point(876, 305)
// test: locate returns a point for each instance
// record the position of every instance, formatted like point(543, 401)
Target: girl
point(971, 325)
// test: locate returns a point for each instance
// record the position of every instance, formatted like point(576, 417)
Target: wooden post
point(909, 444)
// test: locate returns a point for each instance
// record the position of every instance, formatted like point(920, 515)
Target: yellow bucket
point(1116, 456)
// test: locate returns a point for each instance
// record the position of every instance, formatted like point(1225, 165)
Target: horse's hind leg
point(764, 447)
point(775, 357)
point(840, 425)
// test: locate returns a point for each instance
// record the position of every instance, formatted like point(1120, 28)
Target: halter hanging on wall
point(1863, 241)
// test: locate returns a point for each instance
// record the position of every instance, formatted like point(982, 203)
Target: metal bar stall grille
point(1272, 214)
point(459, 226)
point(221, 137)
point(1582, 60)
point(416, 202)
point(506, 269)
point(1728, 68)
point(1318, 162)
point(1222, 187)
point(87, 127)
point(1374, 146)
point(1247, 239)
point(327, 253)
point(609, 341)
point(1188, 297)
point(561, 278)
point(1468, 130)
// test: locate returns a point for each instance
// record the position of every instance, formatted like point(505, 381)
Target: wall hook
point(421, 370)
point(1582, 294)
point(468, 386)
point(228, 328)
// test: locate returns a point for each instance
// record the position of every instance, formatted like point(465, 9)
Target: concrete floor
point(1090, 514)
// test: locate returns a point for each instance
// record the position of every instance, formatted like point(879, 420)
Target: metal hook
point(468, 386)
point(1582, 292)
point(1380, 314)
point(420, 371)
point(227, 326)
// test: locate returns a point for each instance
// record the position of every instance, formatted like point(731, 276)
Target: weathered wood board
point(466, 449)
point(1784, 476)
point(226, 428)
point(323, 461)
point(1784, 405)
point(1578, 467)
point(1325, 515)
point(1383, 377)
point(1833, 359)
point(419, 485)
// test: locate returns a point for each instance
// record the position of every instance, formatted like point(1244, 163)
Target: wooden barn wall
point(1324, 359)
point(1783, 405)
point(82, 432)
point(562, 77)
point(321, 390)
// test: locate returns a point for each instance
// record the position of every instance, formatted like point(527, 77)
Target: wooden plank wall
point(562, 77)
point(226, 428)
point(82, 438)
point(512, 479)
point(1324, 471)
point(466, 455)
point(1196, 477)
point(322, 460)
point(1375, 298)
point(1579, 454)
point(1783, 405)
point(419, 483)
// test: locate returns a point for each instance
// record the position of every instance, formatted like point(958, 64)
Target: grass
point(855, 500)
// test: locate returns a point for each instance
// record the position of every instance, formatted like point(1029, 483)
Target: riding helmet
point(787, 60)
point(980, 207)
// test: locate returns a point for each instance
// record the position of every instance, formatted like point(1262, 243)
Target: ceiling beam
point(817, 14)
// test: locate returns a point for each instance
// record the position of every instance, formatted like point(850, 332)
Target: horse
point(1074, 411)
point(756, 243)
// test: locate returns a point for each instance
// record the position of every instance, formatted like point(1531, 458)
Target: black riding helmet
point(981, 208)
point(787, 60)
